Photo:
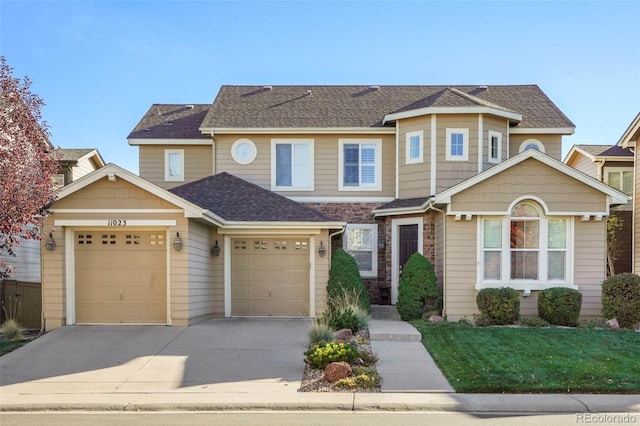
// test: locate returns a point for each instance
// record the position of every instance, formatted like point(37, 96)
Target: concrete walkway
point(404, 365)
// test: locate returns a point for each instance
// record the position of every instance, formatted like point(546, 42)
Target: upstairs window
point(413, 147)
point(495, 147)
point(457, 144)
point(174, 165)
point(360, 167)
point(622, 180)
point(292, 164)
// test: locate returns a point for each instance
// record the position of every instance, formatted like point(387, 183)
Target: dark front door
point(408, 243)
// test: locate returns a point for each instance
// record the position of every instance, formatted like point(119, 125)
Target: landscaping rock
point(343, 335)
point(336, 371)
point(613, 323)
point(435, 318)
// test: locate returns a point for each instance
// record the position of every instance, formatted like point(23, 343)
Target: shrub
point(349, 299)
point(534, 322)
point(322, 354)
point(621, 299)
point(344, 318)
point(498, 306)
point(368, 358)
point(363, 377)
point(418, 289)
point(560, 306)
point(12, 330)
point(320, 331)
point(344, 276)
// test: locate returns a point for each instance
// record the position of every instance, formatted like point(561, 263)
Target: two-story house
point(239, 204)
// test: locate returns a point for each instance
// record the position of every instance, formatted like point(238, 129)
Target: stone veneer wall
point(378, 288)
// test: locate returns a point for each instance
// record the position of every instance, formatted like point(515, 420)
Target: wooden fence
point(22, 298)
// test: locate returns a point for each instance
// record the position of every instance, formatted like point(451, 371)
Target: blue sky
point(99, 65)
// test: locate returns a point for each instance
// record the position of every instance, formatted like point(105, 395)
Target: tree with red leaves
point(28, 163)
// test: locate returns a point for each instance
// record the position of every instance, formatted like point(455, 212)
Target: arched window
point(524, 235)
point(531, 144)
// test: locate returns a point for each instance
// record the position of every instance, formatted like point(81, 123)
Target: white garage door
point(270, 277)
point(121, 277)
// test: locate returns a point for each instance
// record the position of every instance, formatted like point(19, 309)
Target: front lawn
point(536, 360)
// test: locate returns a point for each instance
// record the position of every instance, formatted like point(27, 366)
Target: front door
point(408, 244)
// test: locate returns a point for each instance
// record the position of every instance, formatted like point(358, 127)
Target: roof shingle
point(171, 121)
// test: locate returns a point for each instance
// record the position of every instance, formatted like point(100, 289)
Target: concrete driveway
point(225, 355)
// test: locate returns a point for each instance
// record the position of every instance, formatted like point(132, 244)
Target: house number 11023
point(117, 222)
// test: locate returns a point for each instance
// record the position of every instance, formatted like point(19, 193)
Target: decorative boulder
point(435, 318)
point(336, 371)
point(613, 323)
point(343, 335)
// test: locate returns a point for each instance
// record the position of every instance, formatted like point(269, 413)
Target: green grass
point(7, 346)
point(534, 360)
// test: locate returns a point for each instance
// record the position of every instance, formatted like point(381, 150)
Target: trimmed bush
point(560, 306)
point(621, 299)
point(498, 306)
point(345, 277)
point(418, 289)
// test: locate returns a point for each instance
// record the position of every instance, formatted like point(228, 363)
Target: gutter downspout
point(344, 228)
point(444, 257)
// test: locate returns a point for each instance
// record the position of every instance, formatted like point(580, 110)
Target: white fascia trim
point(158, 141)
point(577, 150)
point(299, 130)
point(116, 211)
point(452, 110)
point(310, 199)
point(542, 130)
point(105, 223)
point(190, 210)
point(617, 158)
point(625, 140)
point(402, 210)
point(506, 213)
point(617, 197)
point(279, 227)
point(95, 154)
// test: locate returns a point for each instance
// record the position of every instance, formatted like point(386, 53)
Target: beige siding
point(636, 214)
point(414, 180)
point(217, 275)
point(461, 267)
point(53, 279)
point(590, 264)
point(198, 163)
point(584, 164)
point(84, 167)
point(200, 283)
point(552, 144)
point(450, 173)
point(560, 192)
point(326, 163)
point(495, 124)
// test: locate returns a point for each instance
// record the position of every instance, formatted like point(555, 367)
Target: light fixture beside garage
point(215, 250)
point(322, 250)
point(50, 244)
point(177, 243)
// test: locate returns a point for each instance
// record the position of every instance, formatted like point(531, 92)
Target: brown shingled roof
point(366, 106)
point(171, 121)
point(235, 199)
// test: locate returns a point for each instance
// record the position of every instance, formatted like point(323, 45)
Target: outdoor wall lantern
point(215, 250)
point(50, 244)
point(322, 250)
point(381, 244)
point(177, 243)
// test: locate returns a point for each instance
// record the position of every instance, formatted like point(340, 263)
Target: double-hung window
point(457, 145)
point(525, 249)
point(413, 147)
point(622, 180)
point(360, 164)
point(174, 165)
point(361, 242)
point(495, 147)
point(292, 165)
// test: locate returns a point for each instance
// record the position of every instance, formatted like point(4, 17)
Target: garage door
point(120, 277)
point(270, 277)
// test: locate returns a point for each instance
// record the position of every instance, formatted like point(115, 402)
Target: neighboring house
point(73, 164)
point(240, 203)
point(613, 165)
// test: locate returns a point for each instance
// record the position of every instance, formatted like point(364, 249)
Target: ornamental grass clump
point(346, 310)
point(321, 331)
point(418, 289)
point(621, 299)
point(560, 306)
point(12, 330)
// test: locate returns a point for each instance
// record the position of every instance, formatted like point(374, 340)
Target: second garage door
point(121, 277)
point(270, 277)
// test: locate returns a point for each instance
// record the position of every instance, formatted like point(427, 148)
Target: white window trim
point(490, 159)
point(374, 251)
point(529, 142)
point(407, 146)
point(167, 176)
point(310, 143)
point(505, 263)
point(465, 145)
point(620, 170)
point(378, 184)
point(254, 151)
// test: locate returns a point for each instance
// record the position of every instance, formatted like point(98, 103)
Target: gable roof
point(234, 199)
point(171, 121)
point(600, 153)
point(616, 196)
point(74, 154)
point(282, 107)
point(628, 138)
